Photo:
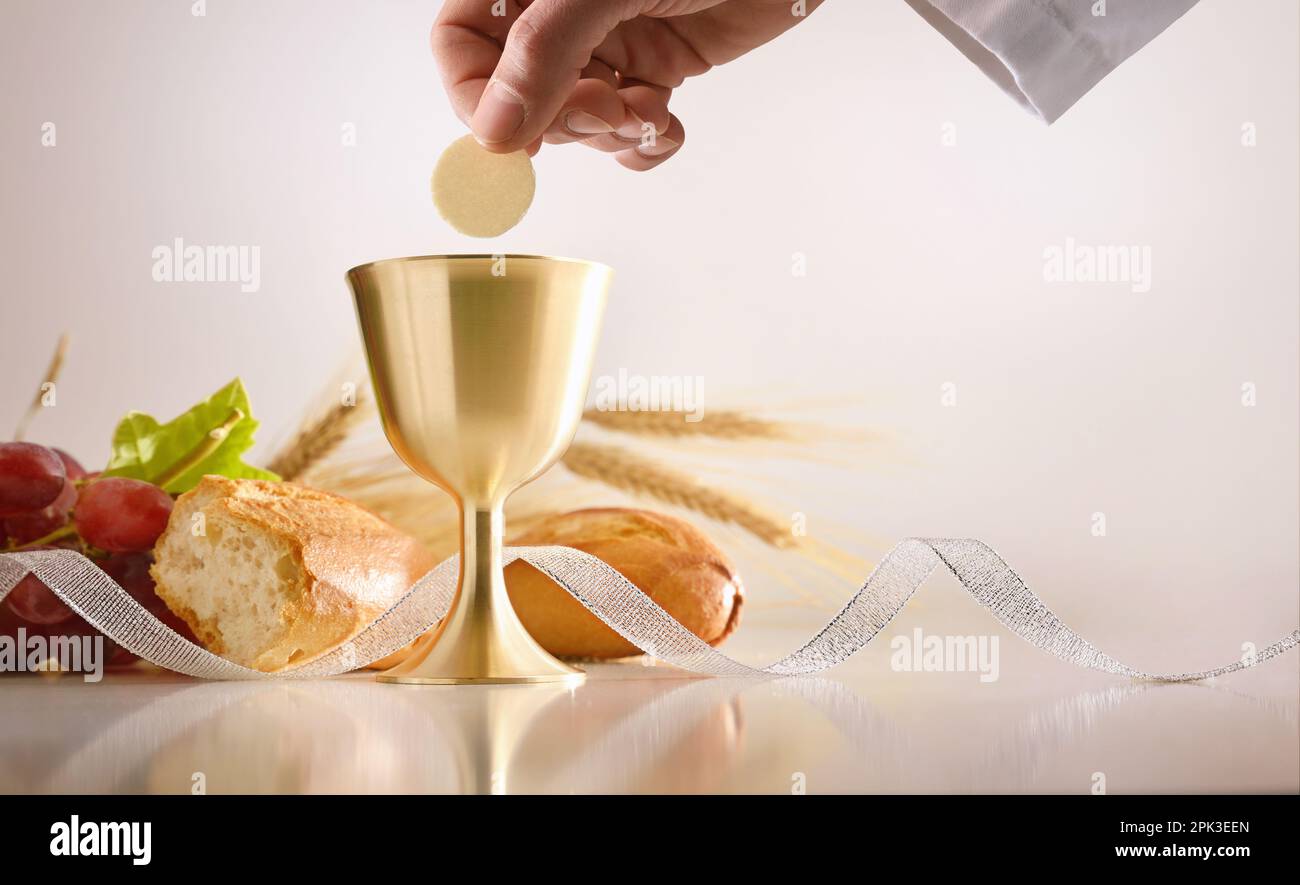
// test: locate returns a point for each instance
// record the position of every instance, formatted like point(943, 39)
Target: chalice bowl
point(480, 366)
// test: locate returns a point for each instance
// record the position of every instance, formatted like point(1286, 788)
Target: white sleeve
point(1047, 53)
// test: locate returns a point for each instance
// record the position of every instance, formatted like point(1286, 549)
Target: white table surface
point(1043, 726)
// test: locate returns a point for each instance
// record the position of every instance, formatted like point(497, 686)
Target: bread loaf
point(272, 574)
point(672, 561)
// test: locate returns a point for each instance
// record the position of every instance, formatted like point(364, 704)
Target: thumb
point(545, 52)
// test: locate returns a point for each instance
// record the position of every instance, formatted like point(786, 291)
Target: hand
point(600, 72)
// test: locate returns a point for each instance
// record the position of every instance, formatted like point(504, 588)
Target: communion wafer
point(480, 193)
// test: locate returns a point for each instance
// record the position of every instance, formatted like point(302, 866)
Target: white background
point(924, 265)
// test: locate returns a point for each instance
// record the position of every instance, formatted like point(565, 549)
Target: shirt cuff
point(1046, 54)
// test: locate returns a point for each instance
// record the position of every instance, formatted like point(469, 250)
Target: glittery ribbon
point(618, 603)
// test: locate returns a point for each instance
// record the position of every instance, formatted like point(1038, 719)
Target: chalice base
point(477, 647)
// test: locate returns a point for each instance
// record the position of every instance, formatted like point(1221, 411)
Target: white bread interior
point(273, 574)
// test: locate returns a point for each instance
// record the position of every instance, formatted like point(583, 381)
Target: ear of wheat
point(647, 478)
point(50, 377)
point(340, 408)
point(315, 441)
point(724, 424)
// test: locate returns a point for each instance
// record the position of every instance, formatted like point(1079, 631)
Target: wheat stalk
point(340, 408)
point(645, 477)
point(50, 377)
point(726, 424)
point(314, 442)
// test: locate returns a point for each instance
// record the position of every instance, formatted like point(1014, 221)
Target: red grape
point(131, 570)
point(122, 515)
point(117, 655)
point(33, 602)
point(29, 526)
point(31, 477)
point(71, 465)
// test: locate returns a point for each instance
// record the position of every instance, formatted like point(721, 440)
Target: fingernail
point(633, 128)
point(583, 123)
point(499, 114)
point(659, 148)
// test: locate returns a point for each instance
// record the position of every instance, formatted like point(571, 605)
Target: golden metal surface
point(480, 365)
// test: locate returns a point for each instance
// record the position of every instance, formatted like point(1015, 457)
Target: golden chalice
point(480, 365)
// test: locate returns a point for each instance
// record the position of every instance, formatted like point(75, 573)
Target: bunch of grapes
point(49, 501)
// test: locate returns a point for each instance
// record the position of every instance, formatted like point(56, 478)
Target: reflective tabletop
point(865, 726)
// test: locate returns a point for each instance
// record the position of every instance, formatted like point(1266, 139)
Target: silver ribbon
point(95, 596)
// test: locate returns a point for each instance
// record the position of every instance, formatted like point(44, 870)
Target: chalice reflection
point(480, 366)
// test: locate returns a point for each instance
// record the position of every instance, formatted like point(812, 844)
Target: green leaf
point(145, 449)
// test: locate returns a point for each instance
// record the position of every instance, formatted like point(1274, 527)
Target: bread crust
point(673, 562)
point(351, 566)
point(348, 566)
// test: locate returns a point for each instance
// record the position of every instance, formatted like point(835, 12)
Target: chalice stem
point(481, 591)
point(480, 639)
